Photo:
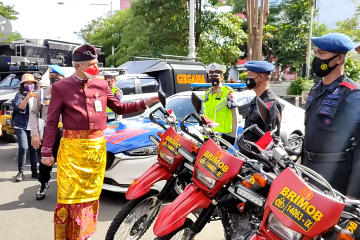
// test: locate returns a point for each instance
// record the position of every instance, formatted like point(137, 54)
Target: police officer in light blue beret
point(56, 73)
point(259, 80)
point(332, 117)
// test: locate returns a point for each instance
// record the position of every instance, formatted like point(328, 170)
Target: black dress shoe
point(40, 195)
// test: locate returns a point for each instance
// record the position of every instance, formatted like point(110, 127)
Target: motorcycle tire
point(125, 211)
point(188, 223)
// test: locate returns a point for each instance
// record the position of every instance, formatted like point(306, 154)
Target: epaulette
point(230, 88)
point(348, 85)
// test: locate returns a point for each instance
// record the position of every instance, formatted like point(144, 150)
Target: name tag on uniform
point(98, 106)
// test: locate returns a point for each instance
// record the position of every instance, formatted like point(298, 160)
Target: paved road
point(22, 217)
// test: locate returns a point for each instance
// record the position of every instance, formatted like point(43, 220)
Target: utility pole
point(308, 53)
point(112, 47)
point(192, 55)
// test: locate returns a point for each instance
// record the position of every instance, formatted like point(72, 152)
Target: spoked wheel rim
point(185, 234)
point(137, 221)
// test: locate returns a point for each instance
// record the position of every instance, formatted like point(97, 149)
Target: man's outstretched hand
point(150, 101)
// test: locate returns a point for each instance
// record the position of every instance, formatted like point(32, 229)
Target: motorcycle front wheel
point(135, 218)
point(182, 233)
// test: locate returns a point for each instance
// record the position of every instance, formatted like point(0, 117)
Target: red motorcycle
point(134, 219)
point(294, 210)
point(216, 180)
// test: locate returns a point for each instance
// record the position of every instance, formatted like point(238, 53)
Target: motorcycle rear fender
point(144, 183)
point(256, 237)
point(173, 215)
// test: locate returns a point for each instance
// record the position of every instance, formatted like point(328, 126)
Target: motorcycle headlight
point(280, 230)
point(166, 158)
point(144, 151)
point(207, 181)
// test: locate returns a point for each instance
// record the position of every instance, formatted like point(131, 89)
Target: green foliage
point(300, 85)
point(162, 27)
point(8, 11)
point(352, 69)
point(350, 26)
point(293, 31)
point(243, 76)
point(13, 37)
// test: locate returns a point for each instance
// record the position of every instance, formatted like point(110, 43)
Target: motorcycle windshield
point(300, 207)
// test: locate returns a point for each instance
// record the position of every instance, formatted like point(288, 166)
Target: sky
point(45, 19)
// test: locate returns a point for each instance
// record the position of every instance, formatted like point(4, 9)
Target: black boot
point(40, 195)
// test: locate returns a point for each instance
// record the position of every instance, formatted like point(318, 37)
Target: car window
point(181, 105)
point(10, 82)
point(127, 86)
point(148, 85)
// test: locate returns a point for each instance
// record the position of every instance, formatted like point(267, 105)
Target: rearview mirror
point(196, 102)
point(162, 99)
point(263, 111)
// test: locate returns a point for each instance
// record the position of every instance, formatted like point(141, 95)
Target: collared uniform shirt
point(332, 125)
point(253, 115)
point(75, 100)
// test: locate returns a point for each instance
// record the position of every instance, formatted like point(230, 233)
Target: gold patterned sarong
point(81, 166)
point(80, 173)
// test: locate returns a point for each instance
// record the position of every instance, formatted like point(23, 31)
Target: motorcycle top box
point(214, 168)
point(168, 155)
point(296, 210)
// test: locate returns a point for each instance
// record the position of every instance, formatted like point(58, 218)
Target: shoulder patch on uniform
point(348, 85)
point(353, 96)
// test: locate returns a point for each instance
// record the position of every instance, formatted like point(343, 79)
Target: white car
point(131, 153)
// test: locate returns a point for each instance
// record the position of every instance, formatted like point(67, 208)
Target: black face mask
point(321, 67)
point(214, 81)
point(54, 79)
point(251, 83)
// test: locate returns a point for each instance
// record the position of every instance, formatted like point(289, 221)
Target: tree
point(293, 31)
point(256, 27)
point(350, 26)
point(8, 11)
point(162, 27)
point(13, 37)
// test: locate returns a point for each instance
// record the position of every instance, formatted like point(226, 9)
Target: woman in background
point(22, 105)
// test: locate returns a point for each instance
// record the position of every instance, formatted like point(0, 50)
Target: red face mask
point(91, 72)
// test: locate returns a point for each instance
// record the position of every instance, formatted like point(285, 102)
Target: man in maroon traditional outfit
point(81, 100)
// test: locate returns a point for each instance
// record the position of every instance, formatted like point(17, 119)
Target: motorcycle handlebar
point(152, 119)
point(186, 130)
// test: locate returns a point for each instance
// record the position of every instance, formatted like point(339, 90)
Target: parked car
point(130, 152)
point(145, 75)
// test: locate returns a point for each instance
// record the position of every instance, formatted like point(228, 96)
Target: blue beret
point(57, 69)
point(259, 66)
point(333, 42)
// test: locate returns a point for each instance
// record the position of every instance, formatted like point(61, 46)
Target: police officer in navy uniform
point(259, 80)
point(332, 117)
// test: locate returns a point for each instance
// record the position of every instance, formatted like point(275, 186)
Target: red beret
point(84, 53)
